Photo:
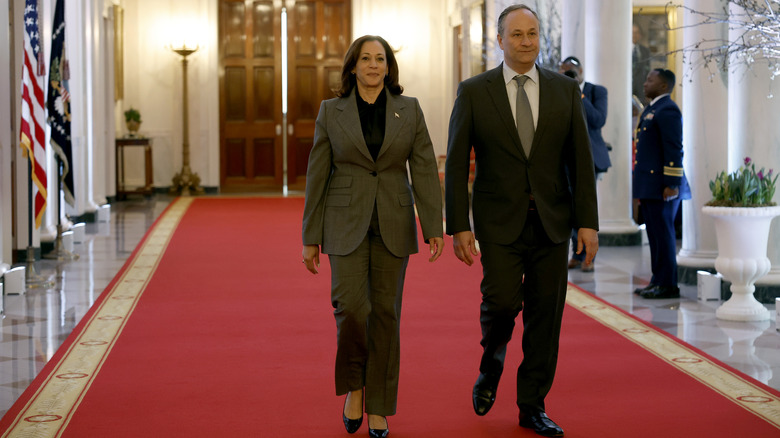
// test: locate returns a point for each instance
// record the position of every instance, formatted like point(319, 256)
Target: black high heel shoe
point(351, 425)
point(379, 433)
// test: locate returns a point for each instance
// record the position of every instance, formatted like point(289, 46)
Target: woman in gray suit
point(360, 208)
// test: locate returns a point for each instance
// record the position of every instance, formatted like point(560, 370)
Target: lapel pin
point(397, 116)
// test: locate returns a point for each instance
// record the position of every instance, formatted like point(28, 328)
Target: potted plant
point(743, 210)
point(133, 121)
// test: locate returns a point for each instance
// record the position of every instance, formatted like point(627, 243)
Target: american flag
point(33, 115)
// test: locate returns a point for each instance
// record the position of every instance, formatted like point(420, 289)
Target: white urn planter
point(742, 234)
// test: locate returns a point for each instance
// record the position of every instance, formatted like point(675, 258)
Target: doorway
point(277, 61)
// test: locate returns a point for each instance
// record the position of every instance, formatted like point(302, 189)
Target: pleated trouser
point(366, 293)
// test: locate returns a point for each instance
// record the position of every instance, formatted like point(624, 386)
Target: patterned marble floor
point(37, 322)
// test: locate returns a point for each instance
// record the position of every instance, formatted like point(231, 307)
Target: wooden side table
point(121, 143)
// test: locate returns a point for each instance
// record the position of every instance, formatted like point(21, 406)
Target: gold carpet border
point(730, 385)
point(50, 409)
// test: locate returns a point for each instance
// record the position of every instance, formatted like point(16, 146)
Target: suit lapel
point(545, 107)
point(587, 90)
point(349, 120)
point(497, 91)
point(396, 116)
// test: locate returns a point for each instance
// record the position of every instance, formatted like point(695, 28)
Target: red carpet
point(215, 329)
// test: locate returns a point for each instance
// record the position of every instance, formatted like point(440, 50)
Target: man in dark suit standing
point(594, 101)
point(534, 182)
point(640, 64)
point(659, 181)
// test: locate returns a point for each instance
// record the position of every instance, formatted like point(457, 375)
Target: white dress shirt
point(531, 89)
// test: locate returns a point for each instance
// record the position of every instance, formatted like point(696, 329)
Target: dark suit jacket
point(505, 178)
point(659, 151)
point(595, 104)
point(343, 182)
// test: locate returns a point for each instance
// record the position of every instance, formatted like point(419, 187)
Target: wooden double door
point(252, 81)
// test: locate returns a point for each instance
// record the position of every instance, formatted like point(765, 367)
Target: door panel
point(322, 34)
point(251, 131)
point(250, 80)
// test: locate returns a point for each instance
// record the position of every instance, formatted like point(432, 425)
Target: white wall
point(421, 31)
point(153, 84)
point(153, 73)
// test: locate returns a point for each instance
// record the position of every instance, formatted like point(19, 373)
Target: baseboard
point(633, 238)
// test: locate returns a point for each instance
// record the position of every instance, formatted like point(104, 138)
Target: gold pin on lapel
point(397, 116)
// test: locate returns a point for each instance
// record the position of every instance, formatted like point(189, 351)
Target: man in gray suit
point(534, 182)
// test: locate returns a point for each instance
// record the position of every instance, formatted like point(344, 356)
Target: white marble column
point(754, 131)
point(101, 144)
point(607, 62)
point(6, 143)
point(88, 117)
point(572, 28)
point(705, 132)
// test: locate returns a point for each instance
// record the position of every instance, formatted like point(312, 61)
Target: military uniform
point(658, 164)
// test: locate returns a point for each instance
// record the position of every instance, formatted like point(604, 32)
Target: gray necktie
point(523, 116)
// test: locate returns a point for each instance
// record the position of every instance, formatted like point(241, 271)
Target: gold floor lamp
point(185, 182)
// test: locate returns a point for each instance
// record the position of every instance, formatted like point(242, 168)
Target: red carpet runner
point(214, 329)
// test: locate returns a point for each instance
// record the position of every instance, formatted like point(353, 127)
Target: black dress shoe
point(541, 424)
point(484, 394)
point(351, 425)
point(379, 433)
point(639, 290)
point(659, 292)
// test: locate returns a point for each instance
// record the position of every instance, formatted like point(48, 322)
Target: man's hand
point(670, 193)
point(437, 246)
point(588, 239)
point(465, 247)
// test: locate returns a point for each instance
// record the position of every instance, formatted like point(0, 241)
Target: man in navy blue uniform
point(594, 102)
point(659, 181)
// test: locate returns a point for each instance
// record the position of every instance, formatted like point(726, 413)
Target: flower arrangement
point(743, 188)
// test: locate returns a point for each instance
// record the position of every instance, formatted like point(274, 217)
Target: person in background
point(640, 63)
point(534, 183)
point(659, 181)
point(360, 210)
point(594, 100)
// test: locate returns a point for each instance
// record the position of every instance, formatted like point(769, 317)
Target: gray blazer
point(343, 183)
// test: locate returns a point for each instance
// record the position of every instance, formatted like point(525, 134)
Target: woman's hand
point(311, 257)
point(437, 246)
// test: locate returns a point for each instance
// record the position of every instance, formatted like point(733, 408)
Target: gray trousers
point(366, 291)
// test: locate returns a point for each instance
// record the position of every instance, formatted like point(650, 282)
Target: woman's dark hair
point(348, 80)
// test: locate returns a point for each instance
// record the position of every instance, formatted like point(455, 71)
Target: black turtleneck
point(372, 121)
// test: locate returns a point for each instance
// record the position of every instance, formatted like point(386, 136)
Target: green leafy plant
point(744, 187)
point(132, 114)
